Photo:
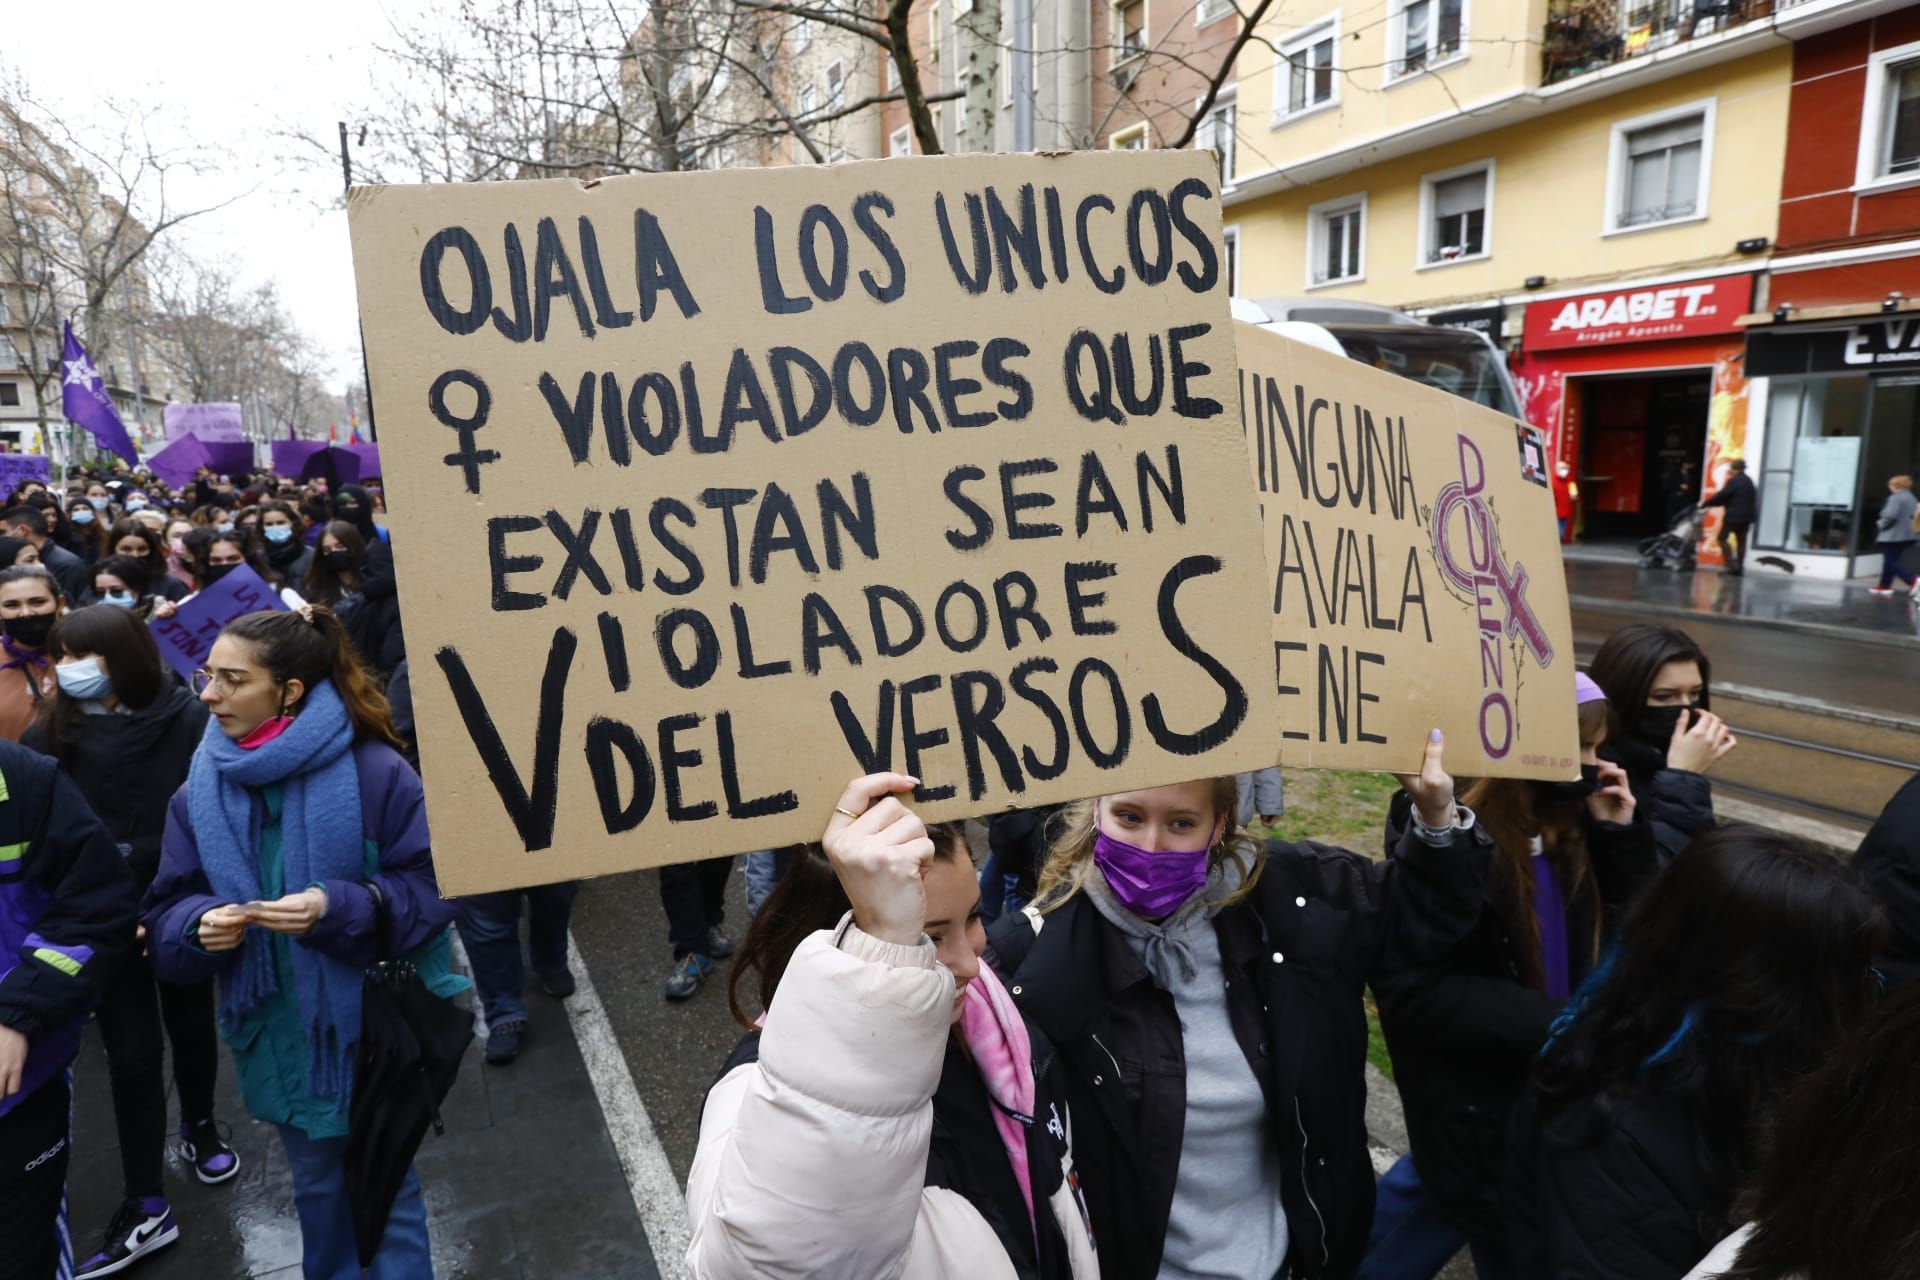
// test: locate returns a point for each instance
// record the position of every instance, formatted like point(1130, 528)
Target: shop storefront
point(1843, 416)
point(1644, 392)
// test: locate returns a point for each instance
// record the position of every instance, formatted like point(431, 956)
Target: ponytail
point(312, 646)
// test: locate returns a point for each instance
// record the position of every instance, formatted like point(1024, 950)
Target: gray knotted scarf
point(1165, 942)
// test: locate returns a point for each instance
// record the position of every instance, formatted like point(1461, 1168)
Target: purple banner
point(229, 457)
point(369, 459)
point(177, 463)
point(209, 423)
point(18, 467)
point(336, 464)
point(187, 637)
point(290, 456)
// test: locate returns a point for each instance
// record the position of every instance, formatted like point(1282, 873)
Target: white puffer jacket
point(813, 1160)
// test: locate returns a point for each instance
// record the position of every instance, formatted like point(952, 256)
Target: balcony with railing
point(1583, 36)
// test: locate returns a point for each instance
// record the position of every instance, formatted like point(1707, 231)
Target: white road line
point(656, 1192)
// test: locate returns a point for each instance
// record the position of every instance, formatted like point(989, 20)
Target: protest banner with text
point(186, 638)
point(712, 491)
point(1413, 568)
point(18, 468)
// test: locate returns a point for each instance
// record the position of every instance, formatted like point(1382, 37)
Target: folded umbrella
point(411, 1042)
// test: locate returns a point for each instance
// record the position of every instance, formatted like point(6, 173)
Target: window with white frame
point(836, 82)
point(802, 35)
point(9, 394)
point(1424, 33)
point(1217, 132)
point(1129, 139)
point(1211, 11)
point(893, 72)
point(1890, 118)
point(809, 101)
point(1454, 208)
point(1230, 244)
point(1130, 25)
point(1336, 240)
point(900, 141)
point(1303, 71)
point(933, 34)
point(1658, 167)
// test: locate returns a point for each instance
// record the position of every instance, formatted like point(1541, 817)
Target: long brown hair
point(322, 583)
point(292, 648)
point(807, 899)
point(1070, 861)
point(1513, 812)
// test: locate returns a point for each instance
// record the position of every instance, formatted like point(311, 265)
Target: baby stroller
point(1674, 549)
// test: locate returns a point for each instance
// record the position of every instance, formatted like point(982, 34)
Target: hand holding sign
point(1432, 787)
point(881, 856)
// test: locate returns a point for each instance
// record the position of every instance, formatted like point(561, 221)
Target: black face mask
point(1656, 724)
point(30, 630)
point(215, 572)
point(338, 561)
point(1573, 788)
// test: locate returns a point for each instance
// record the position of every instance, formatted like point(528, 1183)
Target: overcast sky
point(231, 76)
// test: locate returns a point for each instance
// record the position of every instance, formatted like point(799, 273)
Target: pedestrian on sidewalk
point(1204, 990)
point(1837, 1191)
point(125, 731)
point(67, 918)
point(298, 811)
point(1739, 970)
point(490, 927)
point(1464, 1030)
point(694, 896)
point(1656, 680)
point(1896, 535)
point(889, 1089)
point(1739, 504)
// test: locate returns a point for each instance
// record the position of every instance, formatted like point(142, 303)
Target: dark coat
point(373, 622)
point(1020, 839)
point(1612, 1189)
point(1739, 497)
point(68, 569)
point(1464, 1031)
point(66, 912)
point(1678, 805)
point(1889, 858)
point(1297, 953)
point(129, 765)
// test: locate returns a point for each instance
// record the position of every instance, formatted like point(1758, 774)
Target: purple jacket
point(393, 819)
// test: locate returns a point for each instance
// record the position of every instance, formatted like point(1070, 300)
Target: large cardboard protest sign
point(711, 491)
point(1414, 570)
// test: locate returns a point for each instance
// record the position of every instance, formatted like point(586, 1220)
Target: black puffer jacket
point(1889, 858)
point(1464, 1031)
point(1612, 1189)
point(1297, 954)
point(1676, 803)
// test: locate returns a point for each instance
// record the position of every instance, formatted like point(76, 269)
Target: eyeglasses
point(202, 679)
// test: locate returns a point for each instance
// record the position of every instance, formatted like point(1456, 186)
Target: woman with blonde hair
point(1203, 989)
point(1896, 534)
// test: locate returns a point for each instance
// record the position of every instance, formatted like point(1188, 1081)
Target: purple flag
point(289, 456)
point(180, 461)
point(87, 404)
point(187, 637)
point(369, 455)
point(229, 457)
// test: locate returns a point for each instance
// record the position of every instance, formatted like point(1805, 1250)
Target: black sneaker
point(503, 1041)
point(558, 985)
point(719, 945)
point(203, 1147)
point(686, 976)
point(134, 1234)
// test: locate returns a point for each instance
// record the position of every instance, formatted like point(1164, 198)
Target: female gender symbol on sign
point(467, 457)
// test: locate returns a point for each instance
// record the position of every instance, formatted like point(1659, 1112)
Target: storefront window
point(1893, 436)
point(1810, 474)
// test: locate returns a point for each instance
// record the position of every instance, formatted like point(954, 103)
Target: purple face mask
point(1149, 884)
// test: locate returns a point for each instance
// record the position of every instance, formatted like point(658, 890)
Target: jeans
point(1412, 1239)
point(694, 897)
point(327, 1251)
point(130, 1029)
point(1891, 566)
point(766, 868)
point(490, 927)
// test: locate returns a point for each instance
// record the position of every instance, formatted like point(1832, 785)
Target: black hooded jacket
point(1677, 804)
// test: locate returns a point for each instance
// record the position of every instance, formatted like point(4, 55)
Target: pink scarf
point(996, 1036)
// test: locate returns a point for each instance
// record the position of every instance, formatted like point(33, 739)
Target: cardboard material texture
point(1413, 569)
point(187, 637)
point(711, 491)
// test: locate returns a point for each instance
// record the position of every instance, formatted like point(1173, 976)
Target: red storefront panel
point(1848, 284)
point(1657, 313)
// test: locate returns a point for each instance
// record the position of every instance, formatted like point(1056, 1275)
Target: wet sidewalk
point(1763, 597)
point(524, 1185)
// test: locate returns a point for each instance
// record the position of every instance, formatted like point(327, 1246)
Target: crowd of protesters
point(1631, 1040)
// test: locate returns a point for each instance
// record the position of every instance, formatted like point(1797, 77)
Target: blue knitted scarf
point(320, 839)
